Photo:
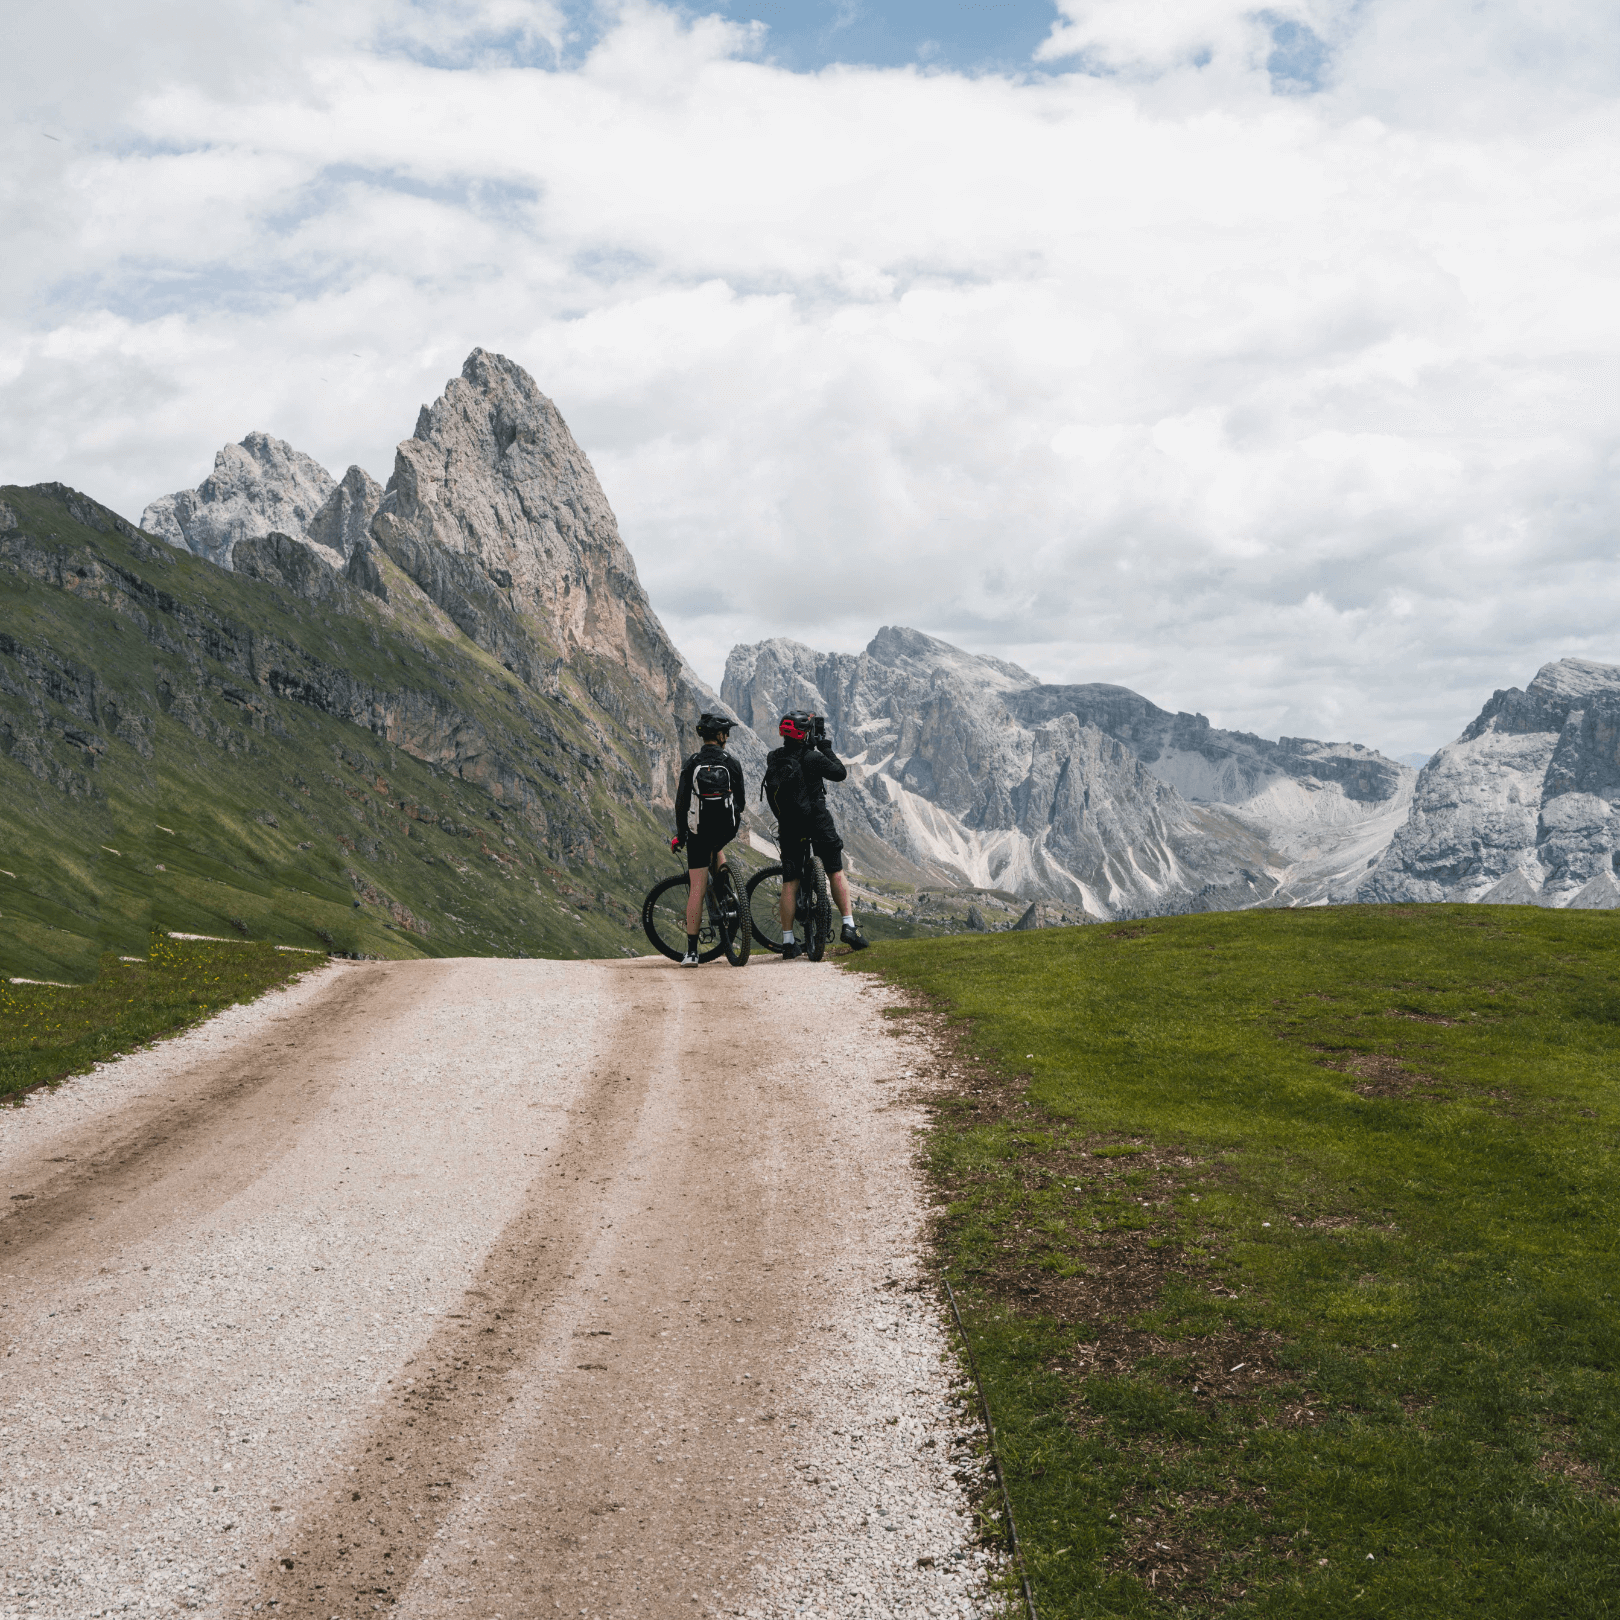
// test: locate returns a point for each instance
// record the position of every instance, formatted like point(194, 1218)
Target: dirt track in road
point(482, 1288)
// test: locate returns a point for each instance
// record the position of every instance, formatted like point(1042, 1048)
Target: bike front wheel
point(663, 916)
point(765, 907)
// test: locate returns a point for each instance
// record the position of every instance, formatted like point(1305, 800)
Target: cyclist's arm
point(738, 786)
point(823, 762)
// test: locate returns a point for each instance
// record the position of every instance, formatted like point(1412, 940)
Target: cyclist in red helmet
point(796, 778)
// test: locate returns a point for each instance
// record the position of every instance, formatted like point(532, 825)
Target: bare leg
point(790, 897)
point(840, 889)
point(698, 877)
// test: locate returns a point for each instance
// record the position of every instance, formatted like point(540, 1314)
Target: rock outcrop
point(278, 559)
point(343, 521)
point(1524, 807)
point(258, 487)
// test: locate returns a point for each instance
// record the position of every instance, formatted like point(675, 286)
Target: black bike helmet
point(711, 727)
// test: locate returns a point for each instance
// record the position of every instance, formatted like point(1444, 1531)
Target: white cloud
point(1123, 35)
point(1295, 408)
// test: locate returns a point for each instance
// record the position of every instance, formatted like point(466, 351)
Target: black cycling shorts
point(702, 845)
point(822, 837)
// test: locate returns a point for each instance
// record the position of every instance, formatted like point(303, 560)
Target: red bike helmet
point(796, 725)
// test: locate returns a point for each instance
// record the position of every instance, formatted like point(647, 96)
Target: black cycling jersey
point(818, 766)
point(708, 754)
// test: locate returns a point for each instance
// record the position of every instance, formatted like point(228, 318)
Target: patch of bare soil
point(1578, 1472)
point(1380, 1075)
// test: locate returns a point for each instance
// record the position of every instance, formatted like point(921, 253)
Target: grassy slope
point(115, 829)
point(1423, 1105)
point(47, 1033)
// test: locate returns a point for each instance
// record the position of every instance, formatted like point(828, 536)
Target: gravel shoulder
point(495, 1288)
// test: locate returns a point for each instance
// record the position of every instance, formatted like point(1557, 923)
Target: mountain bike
point(723, 926)
point(812, 907)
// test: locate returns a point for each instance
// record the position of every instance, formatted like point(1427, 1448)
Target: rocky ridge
point(495, 512)
point(258, 487)
point(971, 770)
point(1524, 807)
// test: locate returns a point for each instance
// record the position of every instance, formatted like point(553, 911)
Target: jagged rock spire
point(496, 513)
point(258, 487)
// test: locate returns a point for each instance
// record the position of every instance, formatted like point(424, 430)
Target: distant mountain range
point(440, 714)
point(973, 772)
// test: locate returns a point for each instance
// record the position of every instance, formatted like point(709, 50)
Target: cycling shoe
point(854, 938)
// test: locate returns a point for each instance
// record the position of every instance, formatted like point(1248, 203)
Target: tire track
point(218, 1123)
point(362, 1542)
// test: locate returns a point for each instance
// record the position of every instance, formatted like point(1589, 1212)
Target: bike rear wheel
point(819, 918)
point(663, 916)
point(765, 907)
point(736, 936)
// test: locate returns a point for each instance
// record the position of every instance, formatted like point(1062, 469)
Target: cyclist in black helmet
point(796, 778)
point(714, 779)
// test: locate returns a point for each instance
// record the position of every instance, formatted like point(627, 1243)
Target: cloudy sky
point(1261, 360)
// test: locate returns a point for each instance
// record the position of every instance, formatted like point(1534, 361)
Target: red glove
point(677, 842)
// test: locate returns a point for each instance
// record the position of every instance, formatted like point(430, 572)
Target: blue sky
point(1261, 359)
point(960, 34)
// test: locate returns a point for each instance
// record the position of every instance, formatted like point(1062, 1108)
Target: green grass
point(1364, 1156)
point(48, 1032)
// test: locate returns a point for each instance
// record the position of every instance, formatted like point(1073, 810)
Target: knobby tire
point(736, 932)
point(820, 910)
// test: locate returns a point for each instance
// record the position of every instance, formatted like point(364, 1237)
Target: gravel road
point(490, 1289)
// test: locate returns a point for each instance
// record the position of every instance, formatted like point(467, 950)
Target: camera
point(818, 728)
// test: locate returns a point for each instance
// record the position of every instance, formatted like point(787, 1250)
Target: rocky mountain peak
point(495, 512)
point(925, 658)
point(494, 503)
point(1571, 679)
point(259, 486)
point(1524, 807)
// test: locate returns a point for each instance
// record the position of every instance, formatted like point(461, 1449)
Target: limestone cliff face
point(1524, 807)
point(495, 512)
point(258, 487)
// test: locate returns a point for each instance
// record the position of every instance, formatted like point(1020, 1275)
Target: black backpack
point(785, 789)
point(711, 783)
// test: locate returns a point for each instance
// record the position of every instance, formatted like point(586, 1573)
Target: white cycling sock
point(849, 920)
point(787, 936)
